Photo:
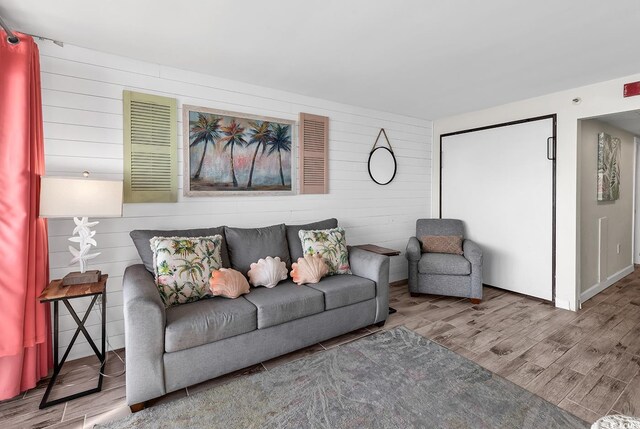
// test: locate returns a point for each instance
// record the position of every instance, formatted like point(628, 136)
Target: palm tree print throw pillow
point(331, 244)
point(183, 265)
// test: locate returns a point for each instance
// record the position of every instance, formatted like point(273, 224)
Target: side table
point(378, 249)
point(381, 251)
point(55, 293)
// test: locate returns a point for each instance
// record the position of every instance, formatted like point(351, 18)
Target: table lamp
point(80, 198)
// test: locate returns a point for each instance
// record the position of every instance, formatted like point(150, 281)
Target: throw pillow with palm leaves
point(183, 266)
point(331, 244)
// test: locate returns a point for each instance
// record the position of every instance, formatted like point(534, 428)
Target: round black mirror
point(382, 165)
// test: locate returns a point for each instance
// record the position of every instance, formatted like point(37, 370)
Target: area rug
point(392, 379)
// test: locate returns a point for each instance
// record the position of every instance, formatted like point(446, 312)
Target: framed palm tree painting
point(230, 153)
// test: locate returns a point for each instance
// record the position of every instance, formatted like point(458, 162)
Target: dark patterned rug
point(393, 379)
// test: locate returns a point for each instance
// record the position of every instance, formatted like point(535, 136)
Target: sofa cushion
point(331, 244)
point(207, 320)
point(248, 245)
point(141, 239)
point(444, 263)
point(345, 289)
point(284, 303)
point(183, 265)
point(295, 246)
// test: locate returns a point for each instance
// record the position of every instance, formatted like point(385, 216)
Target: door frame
point(554, 118)
point(635, 257)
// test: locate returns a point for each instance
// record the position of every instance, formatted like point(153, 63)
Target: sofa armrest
point(144, 327)
point(472, 252)
point(414, 250)
point(374, 267)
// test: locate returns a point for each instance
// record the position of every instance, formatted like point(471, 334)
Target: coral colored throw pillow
point(228, 283)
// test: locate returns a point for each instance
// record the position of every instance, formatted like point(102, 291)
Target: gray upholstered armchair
point(443, 273)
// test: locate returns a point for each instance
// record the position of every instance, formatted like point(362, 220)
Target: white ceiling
point(628, 121)
point(421, 58)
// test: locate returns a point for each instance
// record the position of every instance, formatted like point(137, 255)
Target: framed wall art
point(230, 153)
point(608, 167)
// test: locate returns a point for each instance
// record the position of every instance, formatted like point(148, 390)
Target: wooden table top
point(55, 291)
point(378, 249)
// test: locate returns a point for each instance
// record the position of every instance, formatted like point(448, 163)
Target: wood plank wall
point(82, 108)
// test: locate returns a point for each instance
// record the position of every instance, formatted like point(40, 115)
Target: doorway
point(609, 246)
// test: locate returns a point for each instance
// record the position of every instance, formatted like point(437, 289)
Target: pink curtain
point(25, 340)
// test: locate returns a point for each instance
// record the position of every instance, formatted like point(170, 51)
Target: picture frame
point(234, 153)
point(608, 175)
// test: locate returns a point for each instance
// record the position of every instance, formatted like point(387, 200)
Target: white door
point(499, 181)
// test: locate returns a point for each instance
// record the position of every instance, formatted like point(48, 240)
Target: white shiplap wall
point(82, 109)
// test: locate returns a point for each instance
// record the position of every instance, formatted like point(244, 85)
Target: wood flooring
point(586, 362)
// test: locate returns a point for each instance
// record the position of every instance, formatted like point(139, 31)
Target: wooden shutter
point(314, 154)
point(150, 148)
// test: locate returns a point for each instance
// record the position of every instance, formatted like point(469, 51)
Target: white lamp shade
point(70, 197)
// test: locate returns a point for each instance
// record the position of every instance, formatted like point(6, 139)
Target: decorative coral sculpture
point(228, 283)
point(309, 269)
point(85, 239)
point(267, 272)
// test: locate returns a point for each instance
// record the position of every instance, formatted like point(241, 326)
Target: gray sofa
point(169, 349)
point(442, 273)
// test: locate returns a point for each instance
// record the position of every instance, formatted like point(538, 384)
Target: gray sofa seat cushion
point(444, 263)
point(206, 321)
point(248, 245)
point(141, 239)
point(285, 302)
point(295, 246)
point(344, 289)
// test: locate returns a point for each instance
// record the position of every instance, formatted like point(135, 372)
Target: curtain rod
point(13, 39)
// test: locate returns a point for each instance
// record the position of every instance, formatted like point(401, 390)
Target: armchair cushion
point(444, 263)
point(442, 244)
point(439, 227)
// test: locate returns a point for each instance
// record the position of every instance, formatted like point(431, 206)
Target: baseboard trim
point(399, 283)
point(599, 287)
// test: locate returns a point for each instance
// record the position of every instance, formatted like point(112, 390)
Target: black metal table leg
point(104, 338)
point(57, 365)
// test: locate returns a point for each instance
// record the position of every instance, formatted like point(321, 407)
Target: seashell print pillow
point(228, 282)
point(331, 244)
point(183, 265)
point(267, 272)
point(309, 269)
